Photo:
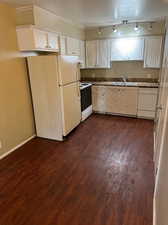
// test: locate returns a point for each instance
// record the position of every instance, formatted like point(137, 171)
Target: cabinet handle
point(77, 76)
point(48, 46)
point(159, 107)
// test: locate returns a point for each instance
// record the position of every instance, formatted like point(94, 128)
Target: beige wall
point(132, 69)
point(16, 117)
point(44, 19)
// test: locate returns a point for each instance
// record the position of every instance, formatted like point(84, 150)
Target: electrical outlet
point(0, 144)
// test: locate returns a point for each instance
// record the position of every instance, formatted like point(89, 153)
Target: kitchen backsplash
point(130, 69)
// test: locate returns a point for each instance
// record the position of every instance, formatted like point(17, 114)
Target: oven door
point(86, 98)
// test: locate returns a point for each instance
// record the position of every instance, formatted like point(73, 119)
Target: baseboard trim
point(18, 146)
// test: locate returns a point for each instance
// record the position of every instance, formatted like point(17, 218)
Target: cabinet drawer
point(146, 114)
point(153, 91)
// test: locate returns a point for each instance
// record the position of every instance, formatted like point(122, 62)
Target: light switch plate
point(0, 144)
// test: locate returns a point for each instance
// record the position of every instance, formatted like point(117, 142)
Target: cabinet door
point(152, 55)
point(53, 41)
point(115, 50)
point(124, 49)
point(73, 47)
point(122, 100)
point(112, 100)
point(63, 49)
point(136, 49)
point(91, 54)
point(128, 100)
point(71, 107)
point(40, 38)
point(103, 53)
point(147, 99)
point(82, 54)
point(99, 98)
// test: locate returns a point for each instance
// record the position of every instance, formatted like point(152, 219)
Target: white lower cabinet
point(131, 101)
point(99, 100)
point(147, 99)
point(115, 100)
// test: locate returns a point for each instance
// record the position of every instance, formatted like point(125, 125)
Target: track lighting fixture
point(125, 21)
point(99, 31)
point(114, 29)
point(150, 26)
point(136, 27)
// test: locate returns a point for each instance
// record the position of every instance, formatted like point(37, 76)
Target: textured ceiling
point(101, 12)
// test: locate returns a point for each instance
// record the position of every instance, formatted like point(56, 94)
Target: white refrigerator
point(55, 91)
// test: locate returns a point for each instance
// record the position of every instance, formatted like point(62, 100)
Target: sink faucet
point(124, 78)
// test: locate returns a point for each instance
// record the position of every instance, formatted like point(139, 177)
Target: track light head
point(136, 28)
point(99, 31)
point(125, 21)
point(150, 26)
point(114, 29)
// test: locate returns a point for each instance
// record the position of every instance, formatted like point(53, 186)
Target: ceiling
point(101, 12)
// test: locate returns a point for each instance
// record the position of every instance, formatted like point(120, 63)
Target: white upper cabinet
point(39, 42)
point(63, 46)
point(53, 41)
point(103, 53)
point(98, 54)
point(91, 54)
point(33, 39)
point(82, 57)
point(124, 49)
point(73, 46)
point(153, 49)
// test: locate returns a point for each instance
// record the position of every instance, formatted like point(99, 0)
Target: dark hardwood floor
point(101, 175)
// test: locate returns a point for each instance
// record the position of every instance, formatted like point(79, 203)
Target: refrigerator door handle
point(77, 76)
point(77, 89)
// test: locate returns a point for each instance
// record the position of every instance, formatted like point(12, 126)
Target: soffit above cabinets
point(98, 12)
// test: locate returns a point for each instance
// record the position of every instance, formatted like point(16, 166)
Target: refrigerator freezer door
point(71, 107)
point(68, 70)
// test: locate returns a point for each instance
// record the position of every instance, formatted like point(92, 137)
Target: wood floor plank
point(101, 175)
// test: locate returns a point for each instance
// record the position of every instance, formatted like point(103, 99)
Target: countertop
point(130, 82)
